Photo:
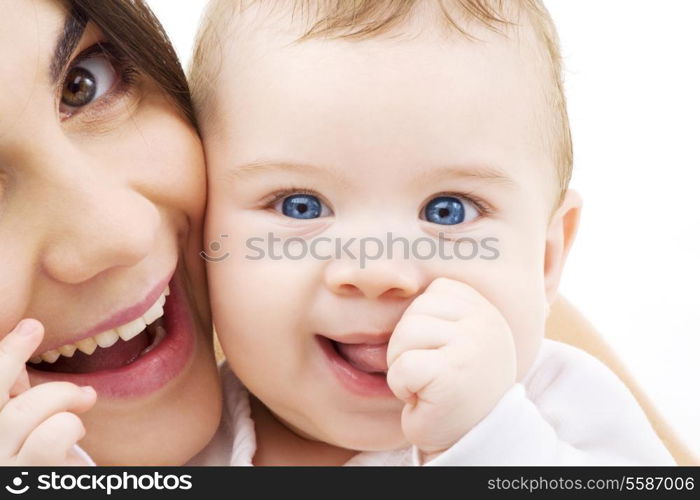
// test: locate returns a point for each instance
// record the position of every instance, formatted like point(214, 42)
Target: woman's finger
point(21, 384)
point(15, 350)
point(26, 412)
point(52, 441)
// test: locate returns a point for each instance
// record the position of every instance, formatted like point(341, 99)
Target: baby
point(436, 132)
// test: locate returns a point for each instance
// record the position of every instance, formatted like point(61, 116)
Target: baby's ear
point(560, 236)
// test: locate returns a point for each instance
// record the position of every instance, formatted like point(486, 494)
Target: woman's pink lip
point(151, 371)
point(354, 380)
point(118, 319)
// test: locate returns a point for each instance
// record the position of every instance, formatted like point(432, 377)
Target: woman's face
point(102, 191)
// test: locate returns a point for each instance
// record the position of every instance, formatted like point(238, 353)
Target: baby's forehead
point(414, 79)
point(267, 44)
point(266, 25)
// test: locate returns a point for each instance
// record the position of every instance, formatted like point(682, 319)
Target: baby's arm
point(570, 410)
point(39, 425)
point(452, 361)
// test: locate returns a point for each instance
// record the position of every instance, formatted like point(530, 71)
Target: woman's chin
point(149, 431)
point(151, 387)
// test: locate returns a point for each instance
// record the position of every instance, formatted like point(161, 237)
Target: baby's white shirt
point(569, 409)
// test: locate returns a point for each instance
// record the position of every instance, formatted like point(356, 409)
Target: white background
point(632, 83)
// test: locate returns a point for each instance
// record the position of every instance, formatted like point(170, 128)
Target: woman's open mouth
point(113, 348)
point(134, 358)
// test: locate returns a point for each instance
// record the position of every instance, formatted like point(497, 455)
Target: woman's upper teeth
point(108, 338)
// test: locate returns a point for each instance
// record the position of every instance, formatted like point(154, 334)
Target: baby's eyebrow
point(270, 167)
point(479, 172)
point(266, 167)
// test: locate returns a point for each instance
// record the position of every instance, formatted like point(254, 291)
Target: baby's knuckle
point(403, 364)
point(394, 382)
point(394, 377)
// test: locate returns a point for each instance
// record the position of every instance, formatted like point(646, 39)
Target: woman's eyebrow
point(73, 28)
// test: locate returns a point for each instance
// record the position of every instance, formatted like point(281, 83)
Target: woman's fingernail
point(88, 390)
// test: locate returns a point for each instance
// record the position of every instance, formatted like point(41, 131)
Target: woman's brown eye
point(80, 88)
point(86, 82)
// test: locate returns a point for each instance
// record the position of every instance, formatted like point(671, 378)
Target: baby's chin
point(370, 437)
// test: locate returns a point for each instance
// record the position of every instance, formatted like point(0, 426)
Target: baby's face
point(320, 142)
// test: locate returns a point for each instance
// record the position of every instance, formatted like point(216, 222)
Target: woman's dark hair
point(131, 27)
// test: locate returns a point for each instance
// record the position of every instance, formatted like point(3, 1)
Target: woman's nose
point(99, 224)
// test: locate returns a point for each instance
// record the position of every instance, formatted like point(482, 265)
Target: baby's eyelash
point(485, 209)
point(270, 200)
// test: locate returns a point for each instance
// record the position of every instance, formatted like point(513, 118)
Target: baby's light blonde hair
point(363, 19)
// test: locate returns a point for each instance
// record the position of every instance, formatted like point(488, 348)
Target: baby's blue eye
point(449, 210)
point(302, 206)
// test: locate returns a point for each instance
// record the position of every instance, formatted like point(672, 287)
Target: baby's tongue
point(368, 358)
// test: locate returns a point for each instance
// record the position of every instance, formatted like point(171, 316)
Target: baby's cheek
point(222, 229)
point(524, 307)
point(214, 221)
point(514, 283)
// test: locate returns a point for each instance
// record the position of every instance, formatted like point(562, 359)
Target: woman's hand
point(38, 425)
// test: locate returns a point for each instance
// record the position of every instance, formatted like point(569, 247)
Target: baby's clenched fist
point(451, 358)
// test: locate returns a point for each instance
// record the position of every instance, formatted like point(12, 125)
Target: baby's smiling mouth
point(109, 349)
point(368, 358)
point(359, 361)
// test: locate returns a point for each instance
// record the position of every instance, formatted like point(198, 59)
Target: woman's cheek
point(17, 268)
point(161, 155)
